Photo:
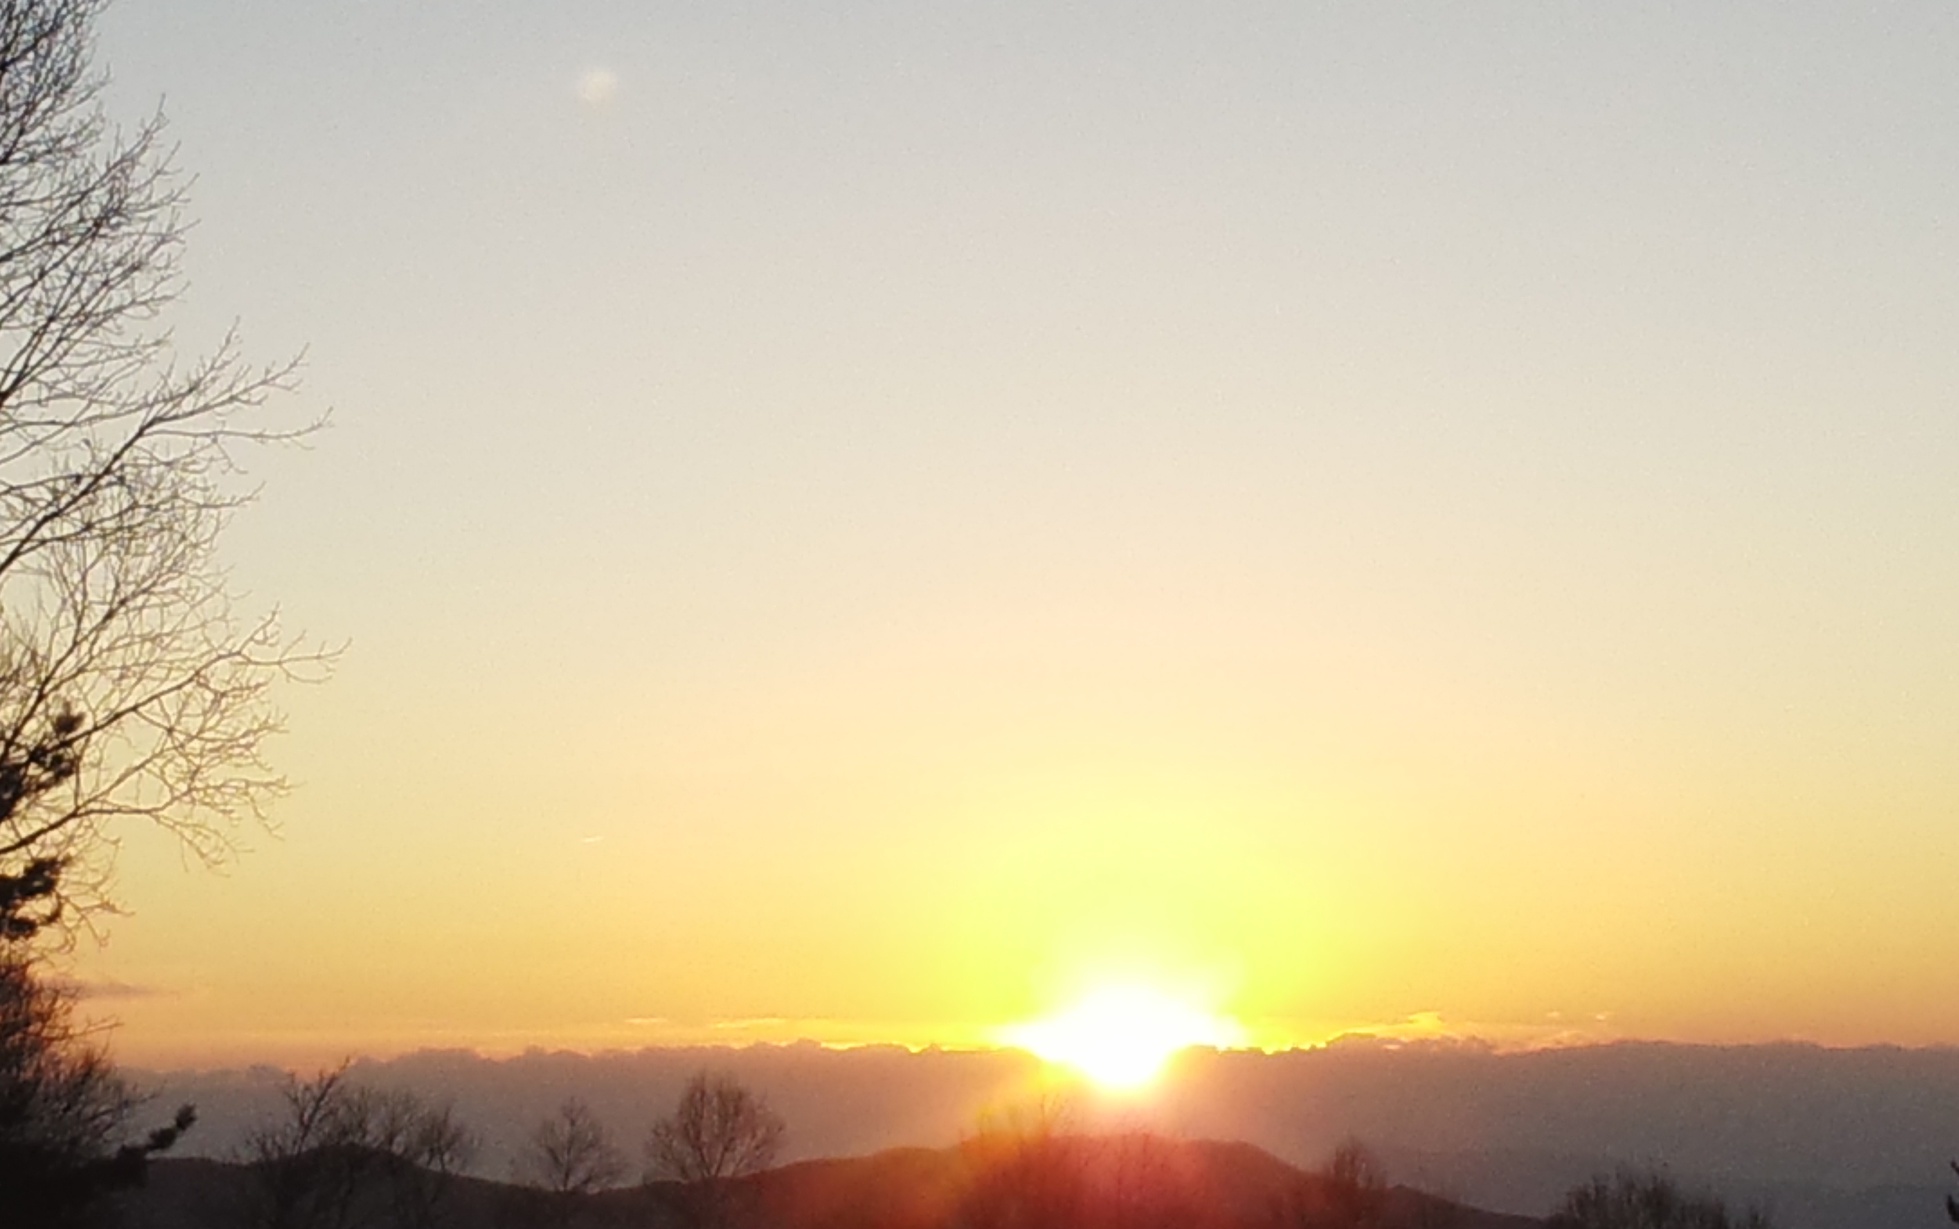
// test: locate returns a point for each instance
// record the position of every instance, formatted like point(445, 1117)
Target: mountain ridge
point(1135, 1181)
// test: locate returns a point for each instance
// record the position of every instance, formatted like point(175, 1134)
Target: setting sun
point(1121, 1036)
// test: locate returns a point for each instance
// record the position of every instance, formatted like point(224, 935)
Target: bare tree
point(1033, 1165)
point(337, 1156)
point(1632, 1199)
point(571, 1153)
point(720, 1131)
point(1356, 1185)
point(129, 689)
point(422, 1148)
point(305, 1160)
point(1028, 1168)
point(568, 1156)
point(1350, 1192)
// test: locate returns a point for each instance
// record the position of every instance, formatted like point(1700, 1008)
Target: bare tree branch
point(129, 687)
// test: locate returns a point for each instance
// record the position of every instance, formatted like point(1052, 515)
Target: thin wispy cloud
point(108, 988)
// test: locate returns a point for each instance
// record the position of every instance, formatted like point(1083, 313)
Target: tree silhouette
point(1647, 1200)
point(339, 1156)
point(1350, 1192)
point(1029, 1168)
point(128, 688)
point(569, 1156)
point(720, 1131)
point(1030, 1165)
point(64, 1113)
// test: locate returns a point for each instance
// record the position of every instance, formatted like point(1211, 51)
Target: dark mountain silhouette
point(1826, 1138)
point(1135, 1180)
point(1121, 1182)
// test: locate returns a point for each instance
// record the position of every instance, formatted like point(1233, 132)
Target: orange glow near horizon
point(1120, 1036)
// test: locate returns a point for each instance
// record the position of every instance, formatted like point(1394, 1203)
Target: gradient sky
point(855, 520)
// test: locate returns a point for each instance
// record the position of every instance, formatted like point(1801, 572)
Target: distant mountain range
point(1825, 1138)
point(1123, 1182)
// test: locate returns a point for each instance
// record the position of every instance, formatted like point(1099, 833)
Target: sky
point(863, 521)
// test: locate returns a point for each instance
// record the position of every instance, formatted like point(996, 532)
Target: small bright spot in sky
point(1120, 1036)
point(596, 86)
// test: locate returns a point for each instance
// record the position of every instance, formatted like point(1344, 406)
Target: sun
point(1120, 1036)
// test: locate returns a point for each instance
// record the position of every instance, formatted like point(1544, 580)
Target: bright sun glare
point(1120, 1036)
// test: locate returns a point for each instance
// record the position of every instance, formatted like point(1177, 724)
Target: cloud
point(596, 86)
point(110, 988)
point(1431, 1030)
point(745, 1023)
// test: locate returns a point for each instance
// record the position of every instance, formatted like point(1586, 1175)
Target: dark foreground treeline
point(991, 1182)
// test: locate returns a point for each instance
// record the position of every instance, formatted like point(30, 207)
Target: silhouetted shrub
point(1648, 1200)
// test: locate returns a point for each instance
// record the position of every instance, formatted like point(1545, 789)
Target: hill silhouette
point(1823, 1138)
point(1084, 1182)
